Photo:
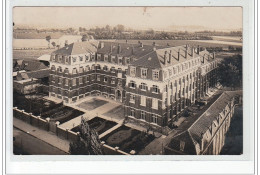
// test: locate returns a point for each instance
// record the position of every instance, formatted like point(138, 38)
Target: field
point(92, 104)
point(203, 43)
point(30, 54)
point(117, 112)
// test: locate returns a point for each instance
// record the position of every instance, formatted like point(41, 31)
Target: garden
point(98, 124)
point(128, 139)
point(37, 105)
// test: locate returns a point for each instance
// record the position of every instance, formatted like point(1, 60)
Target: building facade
point(206, 135)
point(154, 83)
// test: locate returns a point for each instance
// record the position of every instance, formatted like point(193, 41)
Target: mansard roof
point(78, 48)
point(178, 55)
point(126, 49)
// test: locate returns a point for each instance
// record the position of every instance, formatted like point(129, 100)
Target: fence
point(47, 125)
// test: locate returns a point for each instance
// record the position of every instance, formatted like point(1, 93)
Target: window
point(81, 70)
point(113, 59)
point(74, 71)
point(143, 101)
point(74, 59)
point(105, 79)
point(132, 98)
point(105, 68)
point(86, 58)
point(143, 86)
point(93, 67)
point(155, 74)
point(53, 68)
point(155, 89)
point(155, 103)
point(98, 77)
point(113, 81)
point(170, 72)
point(143, 73)
point(132, 71)
point(87, 78)
point(66, 70)
point(66, 59)
point(60, 69)
point(142, 115)
point(80, 58)
point(105, 57)
point(113, 69)
point(154, 119)
point(127, 60)
point(132, 84)
point(98, 67)
point(74, 82)
point(80, 80)
point(119, 82)
point(87, 68)
point(66, 82)
point(93, 57)
point(98, 57)
point(132, 112)
point(119, 60)
point(60, 80)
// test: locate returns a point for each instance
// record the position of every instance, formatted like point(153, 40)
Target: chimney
point(192, 52)
point(203, 58)
point(118, 49)
point(165, 55)
point(141, 44)
point(132, 50)
point(186, 51)
point(214, 55)
point(198, 50)
point(125, 41)
point(179, 55)
point(170, 56)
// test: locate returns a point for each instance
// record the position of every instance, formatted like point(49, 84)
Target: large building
point(204, 134)
point(153, 82)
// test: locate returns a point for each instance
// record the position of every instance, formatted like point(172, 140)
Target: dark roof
point(34, 74)
point(33, 65)
point(78, 48)
point(155, 59)
point(126, 49)
point(192, 130)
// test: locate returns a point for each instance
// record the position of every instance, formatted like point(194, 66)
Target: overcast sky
point(160, 18)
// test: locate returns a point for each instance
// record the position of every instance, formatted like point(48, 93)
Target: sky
point(157, 18)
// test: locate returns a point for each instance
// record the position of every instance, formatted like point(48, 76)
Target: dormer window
point(60, 69)
point(86, 58)
point(66, 70)
point(113, 59)
point(93, 57)
point(105, 57)
point(132, 71)
point(87, 68)
point(120, 60)
point(143, 73)
point(74, 59)
point(127, 60)
point(80, 58)
point(155, 75)
point(105, 68)
point(99, 57)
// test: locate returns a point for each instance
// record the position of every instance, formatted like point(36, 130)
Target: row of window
point(144, 87)
point(154, 118)
point(113, 59)
point(143, 101)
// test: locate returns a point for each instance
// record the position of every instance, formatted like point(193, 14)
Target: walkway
point(45, 136)
point(99, 111)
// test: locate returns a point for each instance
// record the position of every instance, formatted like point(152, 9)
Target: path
point(45, 136)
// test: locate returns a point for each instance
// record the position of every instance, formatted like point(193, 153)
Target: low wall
point(54, 127)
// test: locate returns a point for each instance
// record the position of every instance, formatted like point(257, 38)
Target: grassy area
point(30, 54)
point(98, 124)
point(128, 139)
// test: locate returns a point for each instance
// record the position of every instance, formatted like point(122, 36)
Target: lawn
point(128, 139)
point(117, 112)
point(98, 124)
point(92, 104)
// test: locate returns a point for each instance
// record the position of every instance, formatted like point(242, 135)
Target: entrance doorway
point(118, 95)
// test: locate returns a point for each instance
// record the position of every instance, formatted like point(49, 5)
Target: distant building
point(205, 133)
point(154, 83)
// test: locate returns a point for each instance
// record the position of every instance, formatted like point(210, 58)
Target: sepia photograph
point(127, 80)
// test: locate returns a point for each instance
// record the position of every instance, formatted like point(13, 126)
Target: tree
point(48, 39)
point(230, 72)
point(88, 144)
point(53, 44)
point(120, 28)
